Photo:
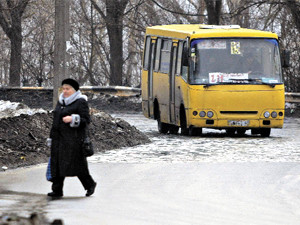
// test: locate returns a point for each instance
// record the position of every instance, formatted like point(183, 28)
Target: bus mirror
point(185, 57)
point(286, 58)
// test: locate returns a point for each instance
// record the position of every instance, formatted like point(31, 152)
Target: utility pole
point(62, 39)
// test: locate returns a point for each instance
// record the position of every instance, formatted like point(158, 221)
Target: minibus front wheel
point(162, 127)
point(183, 125)
point(241, 131)
point(230, 131)
point(173, 129)
point(195, 131)
point(265, 132)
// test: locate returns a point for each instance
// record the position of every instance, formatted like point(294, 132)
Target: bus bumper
point(244, 123)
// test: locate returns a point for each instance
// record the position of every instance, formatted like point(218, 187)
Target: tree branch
point(3, 21)
point(98, 9)
point(172, 11)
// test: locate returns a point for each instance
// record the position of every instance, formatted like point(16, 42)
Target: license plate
point(242, 123)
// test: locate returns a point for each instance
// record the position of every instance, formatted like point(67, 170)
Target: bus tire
point(163, 128)
point(265, 132)
point(241, 131)
point(255, 131)
point(173, 129)
point(184, 129)
point(195, 131)
point(230, 131)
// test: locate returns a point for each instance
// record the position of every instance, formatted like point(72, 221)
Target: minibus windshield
point(236, 60)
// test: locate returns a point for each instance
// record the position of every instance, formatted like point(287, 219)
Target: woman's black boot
point(91, 190)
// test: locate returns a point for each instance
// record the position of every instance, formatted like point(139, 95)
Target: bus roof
point(182, 31)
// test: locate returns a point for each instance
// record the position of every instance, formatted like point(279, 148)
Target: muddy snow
point(23, 134)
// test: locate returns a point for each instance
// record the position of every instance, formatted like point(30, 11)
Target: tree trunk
point(294, 7)
point(11, 23)
point(114, 24)
point(116, 54)
point(213, 11)
point(15, 59)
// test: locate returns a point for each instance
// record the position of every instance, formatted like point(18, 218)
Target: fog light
point(195, 113)
point(274, 114)
point(202, 114)
point(266, 114)
point(210, 114)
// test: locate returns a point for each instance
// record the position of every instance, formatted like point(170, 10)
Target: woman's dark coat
point(66, 154)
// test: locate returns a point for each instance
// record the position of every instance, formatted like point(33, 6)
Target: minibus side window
point(165, 56)
point(179, 58)
point(147, 53)
point(184, 69)
point(157, 57)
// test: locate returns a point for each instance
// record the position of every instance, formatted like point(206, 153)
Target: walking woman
point(71, 116)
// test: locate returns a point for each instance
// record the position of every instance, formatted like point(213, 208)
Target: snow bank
point(11, 109)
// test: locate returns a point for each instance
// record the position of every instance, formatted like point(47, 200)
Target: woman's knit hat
point(71, 82)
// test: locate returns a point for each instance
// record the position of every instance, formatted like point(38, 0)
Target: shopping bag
point(48, 172)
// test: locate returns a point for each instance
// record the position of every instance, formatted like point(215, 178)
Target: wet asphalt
point(210, 179)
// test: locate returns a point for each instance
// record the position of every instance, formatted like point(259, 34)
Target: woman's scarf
point(67, 101)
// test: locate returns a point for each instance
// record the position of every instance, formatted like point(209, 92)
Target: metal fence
point(292, 97)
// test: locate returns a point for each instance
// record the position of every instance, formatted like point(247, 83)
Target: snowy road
point(177, 180)
point(213, 146)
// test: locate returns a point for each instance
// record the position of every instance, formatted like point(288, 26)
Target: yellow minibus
point(208, 76)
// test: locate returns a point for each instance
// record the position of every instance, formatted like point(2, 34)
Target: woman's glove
point(75, 120)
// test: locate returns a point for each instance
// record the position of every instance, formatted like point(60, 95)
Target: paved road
point(222, 180)
point(164, 193)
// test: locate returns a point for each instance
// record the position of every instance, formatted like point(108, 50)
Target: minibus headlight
point(210, 114)
point(202, 114)
point(266, 114)
point(195, 113)
point(274, 114)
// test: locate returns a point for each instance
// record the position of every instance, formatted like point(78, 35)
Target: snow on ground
point(11, 109)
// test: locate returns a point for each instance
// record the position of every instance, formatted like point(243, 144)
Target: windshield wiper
point(254, 80)
point(270, 84)
point(208, 85)
point(257, 80)
point(248, 79)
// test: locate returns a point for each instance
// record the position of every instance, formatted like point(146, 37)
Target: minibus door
point(150, 79)
point(172, 83)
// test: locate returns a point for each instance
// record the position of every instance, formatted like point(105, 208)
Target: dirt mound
point(23, 138)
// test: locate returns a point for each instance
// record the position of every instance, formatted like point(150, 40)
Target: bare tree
point(11, 22)
point(115, 10)
point(294, 7)
point(107, 42)
point(38, 44)
point(214, 11)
